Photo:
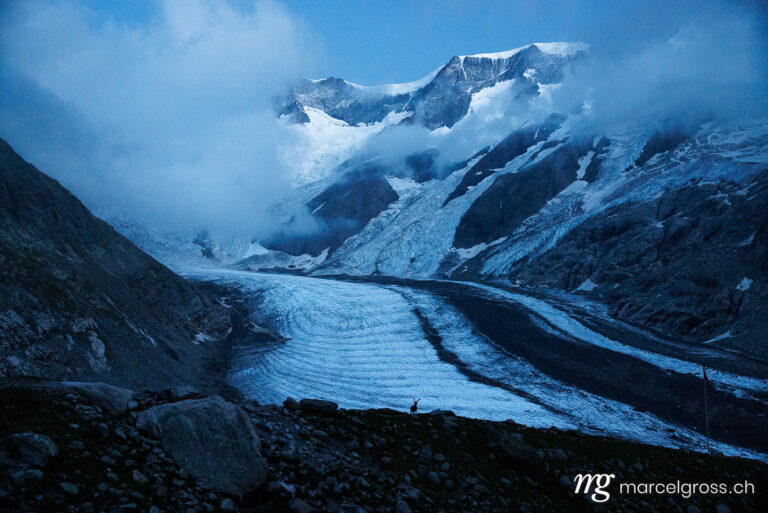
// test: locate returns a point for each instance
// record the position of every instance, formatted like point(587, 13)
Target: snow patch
point(315, 211)
point(396, 89)
point(254, 248)
point(748, 241)
point(467, 253)
point(325, 142)
point(403, 185)
point(587, 286)
point(584, 164)
point(201, 338)
point(744, 284)
point(483, 100)
point(718, 338)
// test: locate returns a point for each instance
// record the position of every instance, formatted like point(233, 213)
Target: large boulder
point(111, 399)
point(318, 406)
point(30, 448)
point(510, 449)
point(212, 439)
point(179, 393)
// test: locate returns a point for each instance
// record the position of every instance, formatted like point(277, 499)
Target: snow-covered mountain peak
point(440, 98)
point(397, 89)
point(562, 49)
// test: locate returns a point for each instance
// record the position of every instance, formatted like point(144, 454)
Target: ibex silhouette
point(415, 405)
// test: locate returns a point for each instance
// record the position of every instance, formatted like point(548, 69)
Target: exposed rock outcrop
point(79, 301)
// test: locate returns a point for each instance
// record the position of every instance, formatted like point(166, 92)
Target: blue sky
point(372, 42)
point(377, 42)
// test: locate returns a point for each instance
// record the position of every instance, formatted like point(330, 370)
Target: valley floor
point(489, 353)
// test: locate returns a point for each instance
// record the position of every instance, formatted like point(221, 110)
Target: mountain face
point(80, 301)
point(671, 237)
point(439, 99)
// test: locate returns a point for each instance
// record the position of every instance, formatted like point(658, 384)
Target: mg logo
point(584, 484)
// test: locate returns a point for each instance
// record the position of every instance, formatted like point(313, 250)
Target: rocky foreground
point(83, 447)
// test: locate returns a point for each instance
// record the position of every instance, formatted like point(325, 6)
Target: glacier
point(363, 345)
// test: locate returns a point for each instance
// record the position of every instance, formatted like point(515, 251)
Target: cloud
point(492, 115)
point(167, 120)
point(707, 60)
point(650, 64)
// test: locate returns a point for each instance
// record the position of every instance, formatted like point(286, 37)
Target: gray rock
point(21, 477)
point(110, 462)
point(30, 448)
point(85, 507)
point(402, 507)
point(432, 476)
point(227, 505)
point(291, 404)
point(318, 406)
point(555, 454)
point(109, 398)
point(299, 506)
point(69, 488)
point(509, 449)
point(212, 439)
point(138, 477)
point(413, 495)
point(179, 393)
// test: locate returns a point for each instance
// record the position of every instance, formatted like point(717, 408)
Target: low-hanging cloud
point(486, 123)
point(703, 61)
point(168, 121)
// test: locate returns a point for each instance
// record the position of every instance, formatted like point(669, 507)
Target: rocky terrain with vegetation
point(85, 447)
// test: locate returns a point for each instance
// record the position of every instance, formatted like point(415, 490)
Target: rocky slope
point(668, 235)
point(78, 300)
point(84, 448)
